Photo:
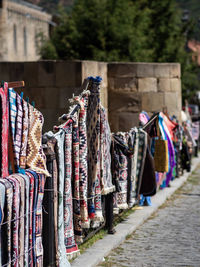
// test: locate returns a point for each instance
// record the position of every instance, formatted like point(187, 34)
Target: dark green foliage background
point(126, 30)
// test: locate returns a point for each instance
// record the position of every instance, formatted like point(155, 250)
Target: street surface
point(171, 237)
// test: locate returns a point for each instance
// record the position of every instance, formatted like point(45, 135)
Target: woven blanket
point(4, 130)
point(21, 203)
point(75, 180)
point(121, 169)
point(24, 141)
point(62, 256)
point(31, 208)
point(105, 137)
point(70, 244)
point(36, 159)
point(18, 132)
point(52, 183)
point(93, 136)
point(6, 228)
point(15, 221)
point(12, 111)
point(142, 148)
point(2, 203)
point(134, 139)
point(83, 164)
point(26, 223)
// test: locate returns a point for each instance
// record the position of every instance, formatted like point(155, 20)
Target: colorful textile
point(6, 228)
point(31, 208)
point(21, 203)
point(15, 221)
point(93, 136)
point(121, 170)
point(26, 220)
point(50, 144)
point(12, 111)
point(70, 244)
point(142, 148)
point(62, 256)
point(105, 137)
point(133, 144)
point(24, 142)
point(34, 223)
point(83, 164)
point(2, 203)
point(18, 133)
point(75, 180)
point(4, 130)
point(35, 156)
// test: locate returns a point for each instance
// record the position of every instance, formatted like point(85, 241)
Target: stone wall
point(51, 83)
point(133, 87)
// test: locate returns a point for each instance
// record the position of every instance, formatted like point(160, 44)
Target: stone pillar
point(133, 87)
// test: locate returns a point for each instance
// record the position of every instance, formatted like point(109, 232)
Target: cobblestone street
point(170, 237)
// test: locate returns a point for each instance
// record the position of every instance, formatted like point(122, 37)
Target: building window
point(25, 42)
point(15, 37)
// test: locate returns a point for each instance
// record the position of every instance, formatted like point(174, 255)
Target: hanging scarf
point(35, 156)
point(26, 223)
point(21, 203)
point(18, 132)
point(15, 221)
point(70, 244)
point(75, 181)
point(93, 136)
point(4, 130)
point(83, 164)
point(6, 228)
point(133, 143)
point(142, 149)
point(51, 186)
point(105, 137)
point(25, 127)
point(31, 216)
point(2, 203)
point(121, 169)
point(62, 256)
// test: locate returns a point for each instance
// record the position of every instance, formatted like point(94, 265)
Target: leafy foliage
point(124, 30)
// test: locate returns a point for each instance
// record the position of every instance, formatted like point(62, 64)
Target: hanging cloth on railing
point(4, 131)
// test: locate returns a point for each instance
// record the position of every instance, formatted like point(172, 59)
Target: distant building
point(21, 24)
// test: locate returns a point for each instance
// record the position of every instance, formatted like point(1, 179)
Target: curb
point(95, 254)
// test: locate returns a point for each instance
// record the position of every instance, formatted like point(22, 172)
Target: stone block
point(145, 70)
point(147, 85)
point(127, 120)
point(123, 83)
point(164, 85)
point(47, 73)
point(175, 70)
point(175, 85)
point(113, 119)
point(104, 97)
point(68, 73)
point(35, 94)
point(5, 70)
point(162, 70)
point(122, 69)
point(31, 71)
point(94, 68)
point(152, 102)
point(124, 101)
point(170, 101)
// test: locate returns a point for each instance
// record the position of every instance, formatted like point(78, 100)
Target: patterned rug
point(36, 159)
point(25, 127)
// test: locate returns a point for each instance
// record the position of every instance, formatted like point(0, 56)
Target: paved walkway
point(170, 237)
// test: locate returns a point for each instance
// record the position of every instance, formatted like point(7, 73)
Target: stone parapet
point(133, 87)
